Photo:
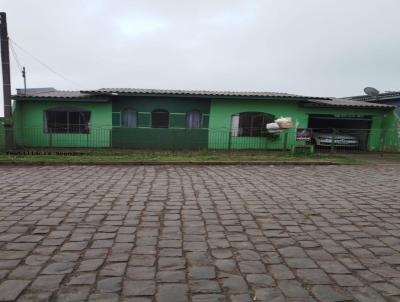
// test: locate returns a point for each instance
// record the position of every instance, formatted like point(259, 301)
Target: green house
point(150, 118)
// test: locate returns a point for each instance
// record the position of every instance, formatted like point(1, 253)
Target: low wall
point(159, 138)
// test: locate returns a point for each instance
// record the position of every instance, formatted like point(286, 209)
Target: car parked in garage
point(327, 137)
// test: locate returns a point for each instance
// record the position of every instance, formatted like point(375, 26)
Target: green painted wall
point(222, 110)
point(172, 138)
point(29, 125)
point(391, 137)
point(143, 136)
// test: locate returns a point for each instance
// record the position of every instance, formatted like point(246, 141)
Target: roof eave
point(206, 96)
point(93, 99)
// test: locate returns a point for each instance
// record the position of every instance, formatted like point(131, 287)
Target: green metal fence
point(321, 140)
point(39, 138)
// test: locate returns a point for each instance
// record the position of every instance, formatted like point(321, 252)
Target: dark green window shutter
point(204, 121)
point(177, 120)
point(144, 119)
point(116, 119)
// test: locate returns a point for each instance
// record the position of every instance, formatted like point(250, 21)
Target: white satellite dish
point(371, 91)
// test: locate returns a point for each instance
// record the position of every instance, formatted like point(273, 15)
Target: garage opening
point(350, 131)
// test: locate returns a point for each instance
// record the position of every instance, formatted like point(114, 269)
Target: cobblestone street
point(212, 233)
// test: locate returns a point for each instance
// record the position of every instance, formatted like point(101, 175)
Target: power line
point(44, 64)
point(14, 53)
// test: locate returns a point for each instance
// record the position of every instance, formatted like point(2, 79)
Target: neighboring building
point(151, 118)
point(389, 98)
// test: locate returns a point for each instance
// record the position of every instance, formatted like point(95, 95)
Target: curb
point(173, 163)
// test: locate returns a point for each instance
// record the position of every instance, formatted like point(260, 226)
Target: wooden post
point(5, 66)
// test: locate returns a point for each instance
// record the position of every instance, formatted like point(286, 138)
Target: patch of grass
point(101, 156)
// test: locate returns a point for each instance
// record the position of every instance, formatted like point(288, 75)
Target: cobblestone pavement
point(200, 234)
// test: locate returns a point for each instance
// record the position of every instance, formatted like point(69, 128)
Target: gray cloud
point(311, 47)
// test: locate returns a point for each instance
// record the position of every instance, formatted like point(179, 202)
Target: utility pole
point(5, 64)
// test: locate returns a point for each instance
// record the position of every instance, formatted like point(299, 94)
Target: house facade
point(179, 119)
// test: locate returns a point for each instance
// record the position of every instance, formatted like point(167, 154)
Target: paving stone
point(319, 254)
point(113, 270)
point(172, 292)
point(366, 294)
point(241, 298)
point(12, 255)
point(83, 278)
point(347, 280)
point(49, 282)
point(260, 280)
point(29, 238)
point(3, 274)
point(301, 263)
point(9, 264)
point(244, 255)
point(74, 246)
point(222, 253)
point(137, 299)
point(292, 252)
point(142, 260)
point(350, 262)
point(281, 272)
point(104, 297)
point(73, 294)
point(8, 237)
point(170, 252)
point(292, 289)
point(171, 276)
point(385, 271)
point(44, 250)
point(36, 260)
point(198, 258)
point(141, 273)
point(139, 288)
point(58, 268)
point(20, 246)
point(369, 276)
point(204, 286)
point(49, 221)
point(171, 263)
point(202, 272)
point(234, 284)
point(90, 265)
point(252, 267)
point(29, 296)
point(109, 285)
point(25, 272)
point(65, 257)
point(333, 267)
point(208, 298)
point(271, 294)
point(330, 294)
point(195, 246)
point(11, 289)
point(226, 265)
point(386, 289)
point(313, 276)
point(218, 243)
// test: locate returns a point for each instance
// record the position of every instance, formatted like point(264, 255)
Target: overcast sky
point(309, 47)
